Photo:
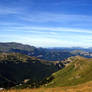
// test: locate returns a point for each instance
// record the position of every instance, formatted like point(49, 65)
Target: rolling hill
point(18, 69)
point(86, 87)
point(23, 66)
point(77, 72)
point(50, 54)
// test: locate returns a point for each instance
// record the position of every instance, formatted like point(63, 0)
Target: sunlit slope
point(85, 87)
point(77, 72)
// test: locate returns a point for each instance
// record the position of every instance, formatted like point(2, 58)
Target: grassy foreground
point(79, 71)
point(87, 87)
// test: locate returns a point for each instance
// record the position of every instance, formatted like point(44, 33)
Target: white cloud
point(53, 39)
point(4, 11)
point(53, 17)
point(43, 41)
point(48, 29)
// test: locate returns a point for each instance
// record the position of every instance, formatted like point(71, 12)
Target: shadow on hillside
point(16, 72)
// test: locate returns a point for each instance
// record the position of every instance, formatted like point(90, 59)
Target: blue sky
point(47, 23)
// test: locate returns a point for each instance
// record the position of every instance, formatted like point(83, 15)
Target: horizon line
point(46, 47)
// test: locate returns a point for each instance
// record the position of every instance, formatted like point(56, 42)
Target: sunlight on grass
point(87, 87)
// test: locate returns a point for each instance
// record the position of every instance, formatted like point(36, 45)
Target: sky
point(47, 23)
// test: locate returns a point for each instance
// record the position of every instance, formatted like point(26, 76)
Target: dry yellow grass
point(87, 87)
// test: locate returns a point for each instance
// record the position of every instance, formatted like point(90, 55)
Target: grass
point(86, 87)
point(77, 72)
point(76, 77)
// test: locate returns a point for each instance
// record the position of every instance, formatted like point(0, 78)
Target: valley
point(21, 71)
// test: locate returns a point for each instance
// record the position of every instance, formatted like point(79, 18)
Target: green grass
point(77, 72)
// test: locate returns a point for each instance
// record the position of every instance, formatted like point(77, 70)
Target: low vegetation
point(77, 72)
point(24, 71)
point(86, 87)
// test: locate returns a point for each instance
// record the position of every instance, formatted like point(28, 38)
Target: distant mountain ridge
point(50, 54)
point(23, 66)
point(41, 53)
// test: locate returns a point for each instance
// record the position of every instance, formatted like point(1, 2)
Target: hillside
point(23, 66)
point(77, 72)
point(22, 71)
point(54, 54)
point(85, 87)
point(18, 69)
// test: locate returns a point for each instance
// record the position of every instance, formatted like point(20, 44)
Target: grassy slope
point(77, 72)
point(86, 87)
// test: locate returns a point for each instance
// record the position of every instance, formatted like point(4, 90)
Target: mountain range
point(50, 54)
point(25, 66)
